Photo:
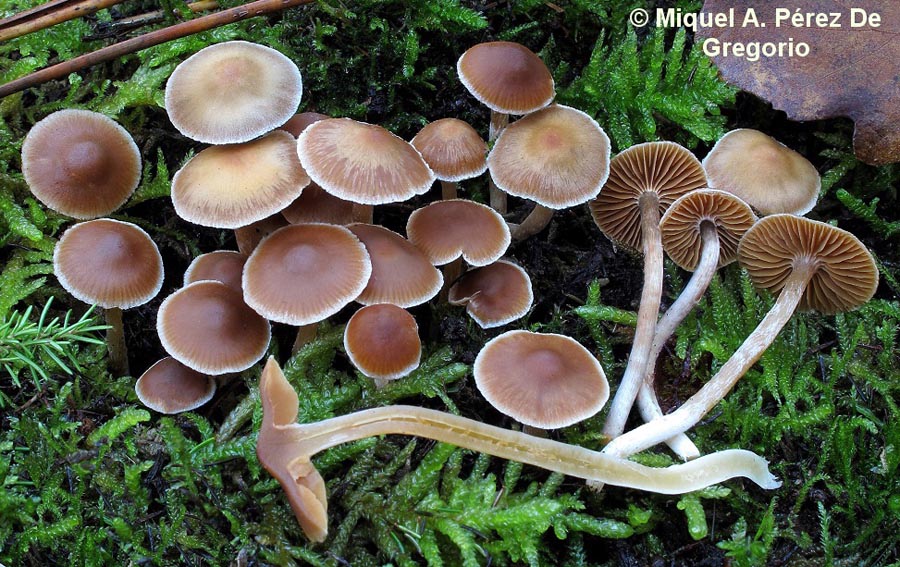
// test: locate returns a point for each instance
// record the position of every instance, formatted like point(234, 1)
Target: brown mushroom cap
point(680, 226)
point(223, 266)
point(845, 273)
point(557, 156)
point(506, 77)
point(362, 162)
point(232, 92)
point(317, 205)
point(494, 295)
point(452, 149)
point(446, 230)
point(762, 171)
point(80, 163)
point(236, 185)
point(665, 168)
point(304, 273)
point(298, 123)
point(382, 341)
point(401, 273)
point(542, 380)
point(207, 326)
point(109, 263)
point(171, 387)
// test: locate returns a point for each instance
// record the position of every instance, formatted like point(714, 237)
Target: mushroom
point(80, 163)
point(224, 266)
point(285, 448)
point(298, 123)
point(113, 264)
point(317, 205)
point(453, 150)
point(643, 181)
point(811, 265)
point(382, 341)
point(494, 295)
point(762, 171)
point(170, 387)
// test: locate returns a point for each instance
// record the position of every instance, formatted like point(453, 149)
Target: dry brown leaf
point(849, 71)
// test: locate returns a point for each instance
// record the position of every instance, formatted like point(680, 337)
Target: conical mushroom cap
point(452, 149)
point(506, 77)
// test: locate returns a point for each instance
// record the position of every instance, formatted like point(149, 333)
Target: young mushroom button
point(382, 341)
point(170, 387)
point(224, 266)
point(453, 150)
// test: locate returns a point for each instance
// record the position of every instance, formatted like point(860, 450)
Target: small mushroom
point(494, 295)
point(453, 150)
point(382, 341)
point(170, 387)
point(224, 266)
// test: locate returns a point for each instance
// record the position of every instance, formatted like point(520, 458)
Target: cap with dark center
point(207, 326)
point(223, 266)
point(494, 295)
point(557, 156)
point(236, 185)
point(664, 168)
point(232, 92)
point(845, 275)
point(317, 205)
point(362, 163)
point(109, 263)
point(382, 341)
point(171, 387)
point(303, 273)
point(680, 226)
point(446, 230)
point(298, 123)
point(80, 163)
point(506, 77)
point(762, 171)
point(401, 274)
point(543, 380)
point(452, 148)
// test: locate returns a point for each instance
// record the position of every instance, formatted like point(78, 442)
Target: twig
point(236, 14)
point(64, 14)
point(157, 15)
point(33, 12)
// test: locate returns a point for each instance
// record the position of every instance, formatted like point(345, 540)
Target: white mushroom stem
point(648, 312)
point(448, 190)
point(499, 121)
point(684, 304)
point(536, 221)
point(115, 340)
point(698, 405)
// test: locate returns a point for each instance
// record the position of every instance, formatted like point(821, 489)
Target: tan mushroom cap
point(232, 92)
point(542, 380)
point(665, 168)
point(452, 149)
point(506, 77)
point(762, 171)
point(382, 341)
point(223, 266)
point(401, 273)
point(446, 230)
point(362, 162)
point(494, 295)
point(109, 263)
point(298, 122)
point(845, 273)
point(80, 163)
point(236, 185)
point(304, 273)
point(317, 205)
point(171, 387)
point(557, 156)
point(680, 226)
point(207, 326)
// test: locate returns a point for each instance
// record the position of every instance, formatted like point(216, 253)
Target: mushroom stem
point(648, 312)
point(498, 197)
point(305, 335)
point(698, 405)
point(452, 272)
point(448, 190)
point(363, 213)
point(536, 221)
point(115, 341)
point(687, 300)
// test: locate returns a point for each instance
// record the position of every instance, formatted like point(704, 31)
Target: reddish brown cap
point(845, 273)
point(303, 273)
point(664, 168)
point(298, 123)
point(207, 326)
point(452, 149)
point(317, 205)
point(236, 185)
point(557, 156)
point(80, 163)
point(401, 273)
point(362, 162)
point(446, 230)
point(542, 380)
point(382, 341)
point(232, 92)
point(506, 77)
point(171, 387)
point(223, 266)
point(494, 295)
point(109, 263)
point(762, 171)
point(681, 225)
